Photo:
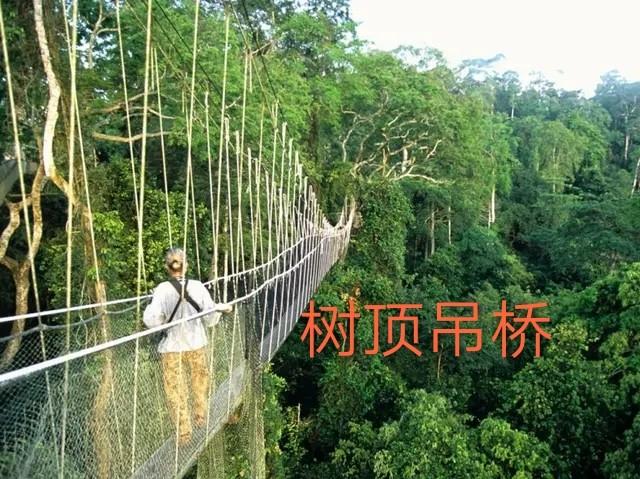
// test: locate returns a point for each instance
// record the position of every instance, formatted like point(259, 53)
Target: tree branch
point(54, 91)
point(120, 105)
point(125, 139)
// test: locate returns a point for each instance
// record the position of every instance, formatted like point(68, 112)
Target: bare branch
point(125, 139)
point(400, 135)
point(360, 120)
point(432, 153)
point(96, 32)
point(14, 223)
point(150, 110)
point(9, 263)
point(121, 105)
point(418, 176)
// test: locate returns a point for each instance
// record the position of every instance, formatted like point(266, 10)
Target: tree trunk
point(627, 142)
point(20, 275)
point(432, 232)
point(20, 270)
point(98, 421)
point(54, 90)
point(555, 170)
point(102, 436)
point(449, 224)
point(492, 207)
point(636, 180)
point(426, 248)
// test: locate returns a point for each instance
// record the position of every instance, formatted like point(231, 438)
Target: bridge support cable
point(85, 394)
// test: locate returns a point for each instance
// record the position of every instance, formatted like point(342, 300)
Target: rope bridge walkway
point(133, 426)
point(81, 386)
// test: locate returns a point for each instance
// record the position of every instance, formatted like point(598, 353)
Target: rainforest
point(467, 185)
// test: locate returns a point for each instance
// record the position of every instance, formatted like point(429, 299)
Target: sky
point(571, 42)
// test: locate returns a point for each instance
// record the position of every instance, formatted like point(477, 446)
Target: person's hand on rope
point(224, 308)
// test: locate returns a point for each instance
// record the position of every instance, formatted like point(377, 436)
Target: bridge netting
point(100, 411)
point(82, 389)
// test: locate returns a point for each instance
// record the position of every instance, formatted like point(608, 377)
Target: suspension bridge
point(81, 386)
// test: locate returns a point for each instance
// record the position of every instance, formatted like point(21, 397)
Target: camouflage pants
point(174, 367)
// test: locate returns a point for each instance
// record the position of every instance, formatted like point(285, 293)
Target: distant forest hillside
point(471, 187)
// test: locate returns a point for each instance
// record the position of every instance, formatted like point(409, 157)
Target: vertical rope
point(280, 226)
point(143, 158)
point(289, 240)
point(273, 173)
point(232, 260)
point(240, 150)
point(214, 238)
point(71, 156)
point(301, 204)
point(178, 418)
point(221, 143)
point(288, 199)
point(125, 91)
point(195, 218)
point(94, 250)
point(251, 209)
point(244, 102)
point(240, 266)
point(188, 190)
point(281, 229)
point(212, 378)
point(258, 181)
point(162, 148)
point(194, 53)
point(294, 239)
point(17, 151)
point(230, 249)
point(272, 220)
point(268, 269)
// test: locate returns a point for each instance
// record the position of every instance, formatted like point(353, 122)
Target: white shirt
point(187, 336)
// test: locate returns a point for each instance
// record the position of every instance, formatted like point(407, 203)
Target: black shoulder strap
point(175, 310)
point(180, 289)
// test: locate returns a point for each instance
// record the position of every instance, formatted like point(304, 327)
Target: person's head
point(176, 262)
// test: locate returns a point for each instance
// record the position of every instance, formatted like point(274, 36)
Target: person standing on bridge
point(183, 345)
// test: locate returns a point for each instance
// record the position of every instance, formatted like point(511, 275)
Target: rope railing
point(11, 375)
point(131, 299)
point(81, 328)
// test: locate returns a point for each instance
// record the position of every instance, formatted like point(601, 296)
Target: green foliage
point(428, 152)
point(623, 463)
point(379, 245)
point(428, 440)
point(355, 390)
point(594, 237)
point(511, 453)
point(274, 416)
point(485, 259)
point(564, 400)
point(431, 440)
